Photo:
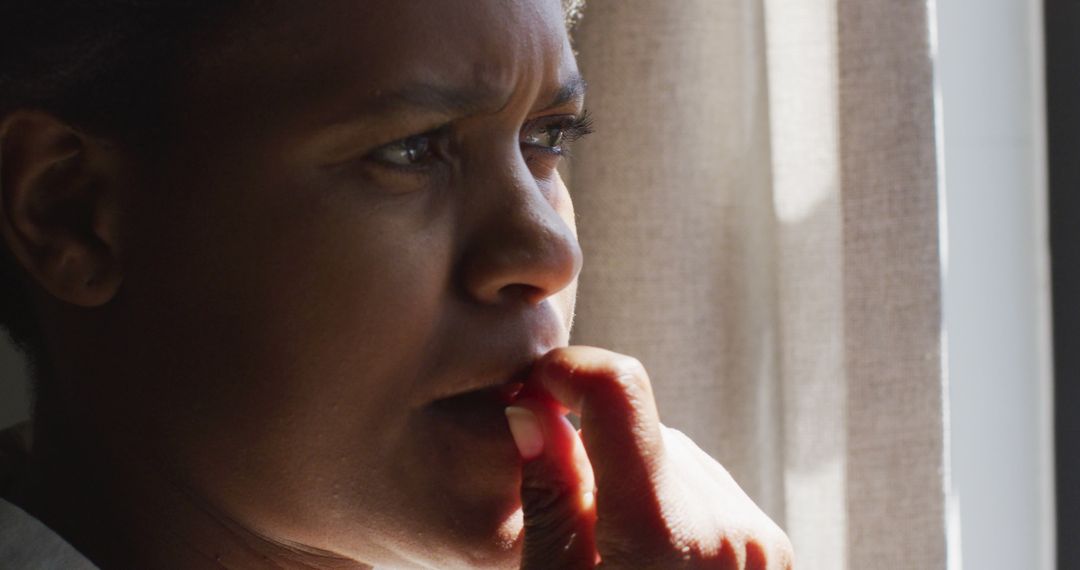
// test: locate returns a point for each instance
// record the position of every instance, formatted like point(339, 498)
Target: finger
point(556, 488)
point(621, 432)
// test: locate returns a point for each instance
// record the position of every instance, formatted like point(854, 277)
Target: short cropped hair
point(102, 65)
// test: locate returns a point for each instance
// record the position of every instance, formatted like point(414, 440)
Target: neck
point(122, 510)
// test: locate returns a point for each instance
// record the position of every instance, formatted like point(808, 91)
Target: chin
point(459, 494)
point(461, 549)
point(501, 550)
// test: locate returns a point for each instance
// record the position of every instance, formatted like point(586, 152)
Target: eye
point(554, 133)
point(549, 136)
point(408, 152)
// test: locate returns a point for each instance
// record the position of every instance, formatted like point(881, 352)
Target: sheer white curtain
point(760, 221)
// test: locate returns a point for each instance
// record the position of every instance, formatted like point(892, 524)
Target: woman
point(298, 281)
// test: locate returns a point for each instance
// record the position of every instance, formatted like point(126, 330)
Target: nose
point(520, 247)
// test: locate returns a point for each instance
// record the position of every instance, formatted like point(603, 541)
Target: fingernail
point(525, 427)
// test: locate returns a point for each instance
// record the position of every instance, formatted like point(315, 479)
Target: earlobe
point(56, 196)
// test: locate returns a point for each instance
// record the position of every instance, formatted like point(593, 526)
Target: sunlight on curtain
point(759, 217)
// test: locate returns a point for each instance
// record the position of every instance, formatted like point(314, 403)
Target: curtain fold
point(760, 223)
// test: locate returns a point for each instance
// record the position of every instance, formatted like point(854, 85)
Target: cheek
point(353, 298)
point(292, 329)
point(283, 306)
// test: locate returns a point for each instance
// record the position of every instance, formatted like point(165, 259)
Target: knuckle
point(548, 509)
point(628, 375)
point(539, 499)
point(628, 366)
point(771, 548)
point(550, 523)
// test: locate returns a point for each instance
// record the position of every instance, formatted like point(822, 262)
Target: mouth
point(498, 388)
point(477, 414)
point(497, 396)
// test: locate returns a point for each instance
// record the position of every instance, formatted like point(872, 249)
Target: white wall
point(996, 293)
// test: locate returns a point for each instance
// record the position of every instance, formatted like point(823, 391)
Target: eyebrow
point(461, 99)
point(571, 90)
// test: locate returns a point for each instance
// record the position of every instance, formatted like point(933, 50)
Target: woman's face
point(360, 221)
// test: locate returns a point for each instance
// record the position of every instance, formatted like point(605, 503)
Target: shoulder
point(15, 444)
point(24, 541)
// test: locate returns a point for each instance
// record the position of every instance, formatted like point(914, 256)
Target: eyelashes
point(549, 135)
point(581, 126)
point(553, 135)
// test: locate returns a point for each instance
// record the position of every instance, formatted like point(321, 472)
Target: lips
point(500, 396)
point(475, 419)
point(497, 385)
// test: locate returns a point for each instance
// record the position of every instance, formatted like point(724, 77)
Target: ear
point(58, 207)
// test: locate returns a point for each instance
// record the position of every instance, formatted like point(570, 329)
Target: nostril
point(530, 294)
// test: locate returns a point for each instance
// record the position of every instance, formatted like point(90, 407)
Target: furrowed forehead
point(422, 53)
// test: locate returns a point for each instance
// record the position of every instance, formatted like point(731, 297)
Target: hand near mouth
point(626, 492)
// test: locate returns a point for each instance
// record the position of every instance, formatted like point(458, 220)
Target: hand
point(626, 492)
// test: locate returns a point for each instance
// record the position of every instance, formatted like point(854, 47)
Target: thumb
point(556, 489)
